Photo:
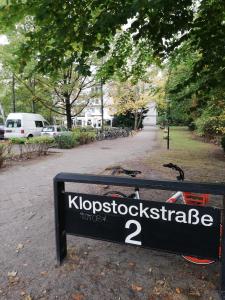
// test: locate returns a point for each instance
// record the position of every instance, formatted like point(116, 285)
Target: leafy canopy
point(62, 32)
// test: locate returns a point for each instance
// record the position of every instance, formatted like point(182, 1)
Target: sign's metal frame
point(59, 189)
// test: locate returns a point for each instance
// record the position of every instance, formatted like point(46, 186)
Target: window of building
point(78, 122)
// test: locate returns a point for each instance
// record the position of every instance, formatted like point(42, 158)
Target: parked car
point(2, 130)
point(24, 125)
point(54, 130)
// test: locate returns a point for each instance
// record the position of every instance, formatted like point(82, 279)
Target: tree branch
point(37, 98)
point(82, 108)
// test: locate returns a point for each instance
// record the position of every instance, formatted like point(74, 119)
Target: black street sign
point(181, 229)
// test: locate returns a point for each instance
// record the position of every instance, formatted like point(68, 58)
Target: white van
point(24, 125)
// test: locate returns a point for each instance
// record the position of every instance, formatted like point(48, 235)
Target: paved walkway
point(26, 201)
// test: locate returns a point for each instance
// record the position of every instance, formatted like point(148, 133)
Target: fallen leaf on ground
point(136, 288)
point(13, 280)
point(77, 296)
point(44, 273)
point(131, 264)
point(12, 274)
point(19, 247)
point(160, 282)
point(195, 293)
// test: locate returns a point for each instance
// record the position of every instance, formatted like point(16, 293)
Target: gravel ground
point(94, 269)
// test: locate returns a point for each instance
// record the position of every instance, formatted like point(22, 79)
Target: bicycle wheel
point(198, 261)
point(178, 199)
point(115, 194)
point(202, 261)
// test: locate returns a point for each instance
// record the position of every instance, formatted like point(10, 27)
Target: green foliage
point(211, 126)
point(2, 152)
point(66, 141)
point(127, 59)
point(161, 120)
point(40, 140)
point(79, 28)
point(83, 129)
point(128, 120)
point(188, 33)
point(223, 143)
point(87, 137)
point(39, 144)
point(84, 135)
point(18, 140)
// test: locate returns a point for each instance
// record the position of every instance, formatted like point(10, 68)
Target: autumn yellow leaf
point(77, 296)
point(136, 288)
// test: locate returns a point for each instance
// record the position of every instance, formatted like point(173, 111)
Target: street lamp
point(168, 123)
point(102, 106)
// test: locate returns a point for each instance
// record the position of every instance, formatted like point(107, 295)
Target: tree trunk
point(13, 94)
point(32, 86)
point(68, 112)
point(139, 119)
point(135, 120)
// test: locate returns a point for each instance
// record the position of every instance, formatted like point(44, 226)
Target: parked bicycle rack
point(149, 224)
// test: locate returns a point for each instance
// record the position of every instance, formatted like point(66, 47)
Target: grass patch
point(201, 161)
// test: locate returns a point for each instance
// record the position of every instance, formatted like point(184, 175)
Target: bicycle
point(188, 198)
point(178, 197)
point(132, 173)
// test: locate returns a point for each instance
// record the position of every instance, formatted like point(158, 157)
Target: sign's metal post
point(60, 233)
point(223, 253)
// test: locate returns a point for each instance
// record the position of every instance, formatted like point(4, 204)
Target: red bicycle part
point(195, 199)
point(198, 200)
point(198, 261)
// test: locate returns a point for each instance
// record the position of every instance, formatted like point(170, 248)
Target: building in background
point(92, 113)
point(151, 116)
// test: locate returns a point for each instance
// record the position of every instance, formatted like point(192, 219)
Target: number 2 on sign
point(129, 239)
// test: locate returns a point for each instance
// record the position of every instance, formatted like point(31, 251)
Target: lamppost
point(102, 106)
point(168, 123)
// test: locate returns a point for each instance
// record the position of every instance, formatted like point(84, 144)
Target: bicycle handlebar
point(176, 168)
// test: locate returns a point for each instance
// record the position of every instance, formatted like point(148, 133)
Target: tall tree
point(61, 32)
point(130, 98)
point(71, 92)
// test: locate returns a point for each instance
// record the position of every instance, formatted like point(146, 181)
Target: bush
point(5, 151)
point(76, 135)
point(2, 151)
point(39, 144)
point(20, 142)
point(84, 129)
point(210, 126)
point(66, 141)
point(223, 143)
point(192, 126)
point(84, 135)
point(87, 137)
